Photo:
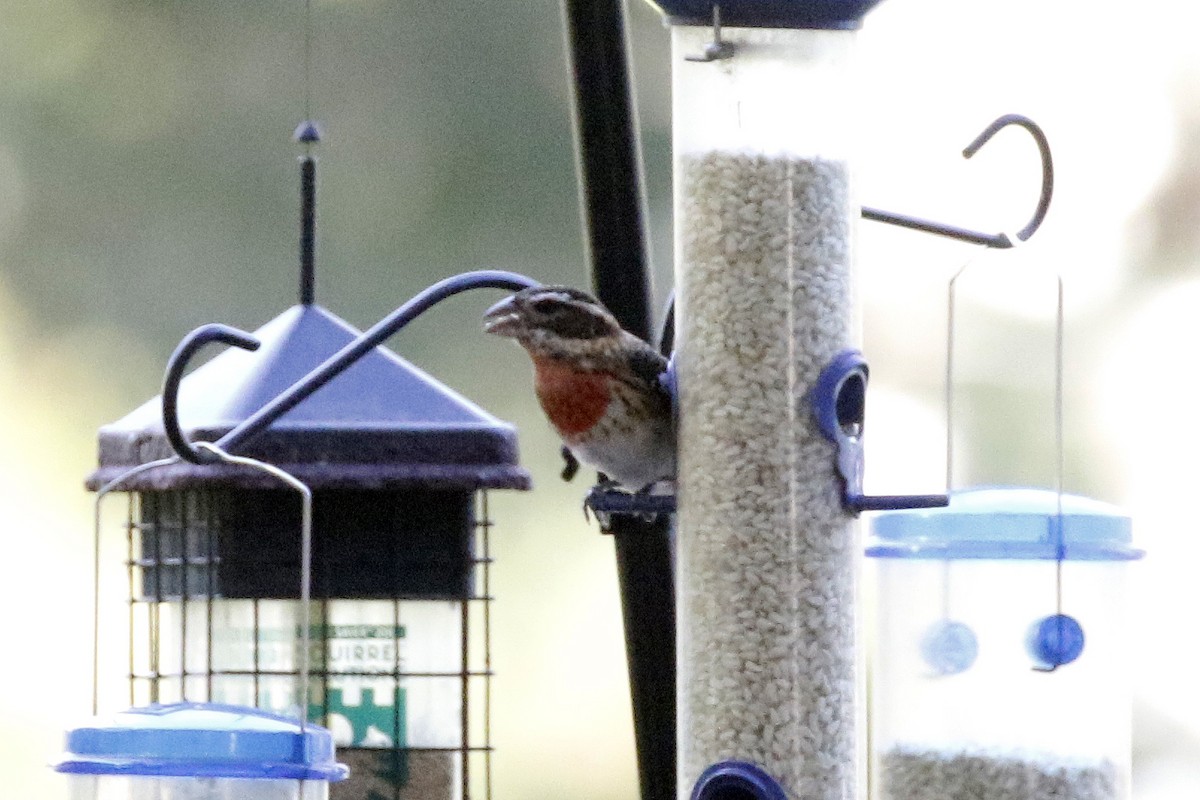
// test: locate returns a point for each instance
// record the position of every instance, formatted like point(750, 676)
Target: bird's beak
point(503, 319)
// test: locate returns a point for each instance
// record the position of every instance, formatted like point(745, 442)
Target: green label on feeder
point(360, 710)
point(318, 632)
point(361, 714)
point(354, 648)
point(363, 631)
point(374, 683)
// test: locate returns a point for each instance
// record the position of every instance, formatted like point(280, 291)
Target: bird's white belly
point(632, 455)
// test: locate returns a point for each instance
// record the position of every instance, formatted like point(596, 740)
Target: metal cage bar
point(183, 591)
point(211, 554)
point(130, 528)
point(484, 523)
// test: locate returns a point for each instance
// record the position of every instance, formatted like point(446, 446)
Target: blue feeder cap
point(1006, 523)
point(202, 740)
point(812, 14)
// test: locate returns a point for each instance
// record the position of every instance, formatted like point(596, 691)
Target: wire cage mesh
point(399, 624)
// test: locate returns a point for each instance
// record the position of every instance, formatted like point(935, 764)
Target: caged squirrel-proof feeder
point(399, 466)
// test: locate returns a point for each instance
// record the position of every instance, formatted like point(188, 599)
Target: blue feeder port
point(201, 740)
point(1055, 640)
point(950, 647)
point(736, 780)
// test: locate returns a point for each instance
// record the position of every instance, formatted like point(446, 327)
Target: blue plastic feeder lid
point(202, 740)
point(1006, 523)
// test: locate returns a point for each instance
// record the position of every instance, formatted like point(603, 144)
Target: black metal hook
point(997, 240)
point(320, 375)
point(178, 362)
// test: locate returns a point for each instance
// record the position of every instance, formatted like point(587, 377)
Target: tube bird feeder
point(770, 697)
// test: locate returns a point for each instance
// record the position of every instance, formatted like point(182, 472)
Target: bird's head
point(551, 318)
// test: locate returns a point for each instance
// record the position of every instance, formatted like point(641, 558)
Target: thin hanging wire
point(100, 494)
point(1059, 438)
point(303, 677)
point(1059, 450)
point(308, 53)
point(951, 316)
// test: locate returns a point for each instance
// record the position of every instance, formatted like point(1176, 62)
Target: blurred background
point(148, 185)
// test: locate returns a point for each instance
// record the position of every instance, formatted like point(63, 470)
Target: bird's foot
point(596, 496)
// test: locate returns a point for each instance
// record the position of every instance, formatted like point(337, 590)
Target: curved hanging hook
point(337, 363)
point(1043, 146)
point(320, 375)
point(178, 362)
point(997, 240)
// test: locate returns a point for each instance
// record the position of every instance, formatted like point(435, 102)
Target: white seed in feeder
point(766, 551)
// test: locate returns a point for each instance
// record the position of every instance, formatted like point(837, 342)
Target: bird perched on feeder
point(599, 385)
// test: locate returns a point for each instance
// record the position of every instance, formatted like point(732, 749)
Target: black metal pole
point(307, 134)
point(645, 570)
point(308, 230)
point(609, 161)
point(610, 176)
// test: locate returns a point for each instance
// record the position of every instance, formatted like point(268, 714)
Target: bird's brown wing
point(645, 365)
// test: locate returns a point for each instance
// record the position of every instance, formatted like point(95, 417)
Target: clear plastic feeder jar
point(195, 751)
point(1000, 663)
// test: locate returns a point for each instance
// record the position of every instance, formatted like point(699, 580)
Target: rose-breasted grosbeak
point(598, 384)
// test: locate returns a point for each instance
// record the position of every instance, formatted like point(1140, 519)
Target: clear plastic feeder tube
point(769, 666)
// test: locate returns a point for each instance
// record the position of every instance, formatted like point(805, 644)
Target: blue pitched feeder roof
point(381, 423)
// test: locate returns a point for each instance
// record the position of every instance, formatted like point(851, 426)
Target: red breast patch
point(574, 401)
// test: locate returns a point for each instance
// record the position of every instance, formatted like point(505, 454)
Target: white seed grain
point(921, 774)
point(766, 553)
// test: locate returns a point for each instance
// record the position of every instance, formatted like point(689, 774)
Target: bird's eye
point(546, 306)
